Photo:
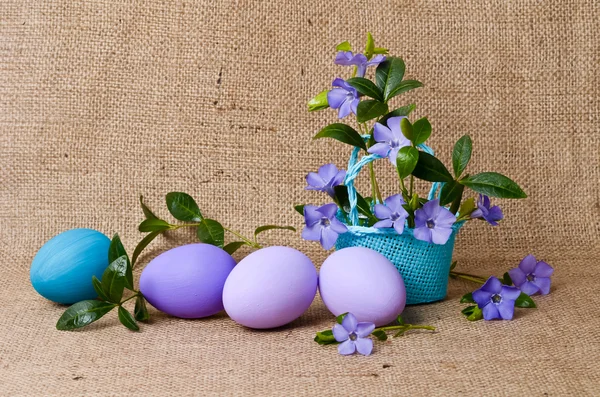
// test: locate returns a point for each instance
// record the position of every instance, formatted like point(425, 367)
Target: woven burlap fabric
point(101, 101)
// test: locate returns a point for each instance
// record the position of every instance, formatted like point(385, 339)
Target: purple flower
point(325, 179)
point(532, 276)
point(343, 97)
point(392, 214)
point(389, 139)
point(496, 300)
point(433, 223)
point(353, 336)
point(347, 58)
point(322, 225)
point(484, 211)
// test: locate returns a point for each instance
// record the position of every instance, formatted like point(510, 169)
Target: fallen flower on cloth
point(531, 276)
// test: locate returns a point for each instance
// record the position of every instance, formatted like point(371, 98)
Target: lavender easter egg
point(363, 282)
point(187, 281)
point(270, 288)
point(62, 269)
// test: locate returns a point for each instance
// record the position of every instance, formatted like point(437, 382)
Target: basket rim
point(364, 230)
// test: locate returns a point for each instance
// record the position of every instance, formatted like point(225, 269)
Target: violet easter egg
point(62, 269)
point(270, 287)
point(187, 281)
point(363, 282)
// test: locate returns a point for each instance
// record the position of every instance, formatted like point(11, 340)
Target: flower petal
point(440, 234)
point(395, 203)
point(481, 297)
point(393, 124)
point(421, 218)
point(432, 208)
point(336, 97)
point(393, 154)
point(381, 149)
point(492, 285)
point(517, 276)
point(477, 214)
point(399, 225)
point(346, 348)
point(506, 310)
point(328, 238)
point(490, 312)
point(345, 109)
point(383, 224)
point(339, 333)
point(529, 288)
point(327, 172)
point(343, 58)
point(361, 70)
point(382, 134)
point(328, 210)
point(528, 264)
point(383, 212)
point(354, 105)
point(445, 218)
point(422, 233)
point(495, 214)
point(312, 233)
point(543, 283)
point(542, 269)
point(349, 322)
point(314, 181)
point(509, 293)
point(311, 215)
point(364, 346)
point(337, 226)
point(376, 60)
point(338, 179)
point(364, 329)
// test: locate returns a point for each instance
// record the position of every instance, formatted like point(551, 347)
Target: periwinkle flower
point(433, 223)
point(532, 276)
point(343, 97)
point(322, 225)
point(389, 139)
point(392, 214)
point(347, 58)
point(496, 300)
point(353, 336)
point(325, 179)
point(486, 211)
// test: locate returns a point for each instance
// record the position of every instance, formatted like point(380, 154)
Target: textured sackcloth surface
point(101, 101)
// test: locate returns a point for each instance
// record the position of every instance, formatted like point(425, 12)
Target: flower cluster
point(387, 133)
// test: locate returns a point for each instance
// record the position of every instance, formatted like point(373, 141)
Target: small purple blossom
point(322, 225)
point(353, 336)
point(325, 179)
point(392, 214)
point(532, 276)
point(496, 300)
point(491, 214)
point(347, 58)
point(389, 139)
point(343, 97)
point(433, 223)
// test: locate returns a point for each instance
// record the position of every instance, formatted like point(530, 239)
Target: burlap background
point(101, 101)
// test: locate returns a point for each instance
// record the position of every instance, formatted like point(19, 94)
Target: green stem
point(405, 327)
point(412, 182)
point(175, 227)
point(468, 277)
point(130, 298)
point(249, 242)
point(374, 186)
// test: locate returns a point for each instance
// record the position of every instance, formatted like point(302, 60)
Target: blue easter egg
point(62, 269)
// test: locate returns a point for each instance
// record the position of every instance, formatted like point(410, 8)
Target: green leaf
point(461, 155)
point(476, 315)
point(525, 301)
point(98, 288)
point(421, 131)
point(399, 320)
point(380, 50)
point(141, 312)
point(211, 232)
point(319, 102)
point(83, 313)
point(342, 133)
point(115, 251)
point(325, 338)
point(506, 280)
point(113, 279)
point(407, 129)
point(453, 265)
point(467, 207)
point(153, 225)
point(300, 208)
point(380, 335)
point(467, 311)
point(467, 298)
point(147, 213)
point(366, 87)
point(431, 169)
point(370, 47)
point(340, 318)
point(370, 109)
point(341, 195)
point(183, 207)
point(403, 87)
point(402, 111)
point(261, 229)
point(493, 184)
point(143, 244)
point(389, 75)
point(127, 319)
point(406, 161)
point(233, 246)
point(345, 46)
point(451, 191)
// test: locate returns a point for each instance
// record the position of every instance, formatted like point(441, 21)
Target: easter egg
point(270, 288)
point(62, 269)
point(363, 282)
point(187, 281)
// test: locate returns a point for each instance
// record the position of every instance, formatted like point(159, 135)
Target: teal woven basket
point(424, 266)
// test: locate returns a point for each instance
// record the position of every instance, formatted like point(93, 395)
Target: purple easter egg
point(363, 282)
point(187, 281)
point(270, 288)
